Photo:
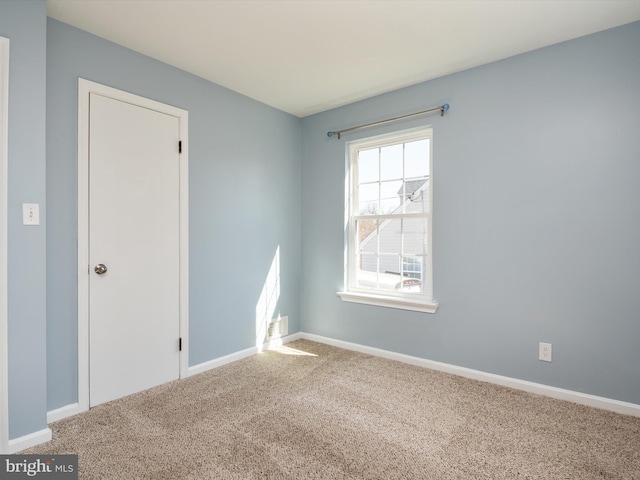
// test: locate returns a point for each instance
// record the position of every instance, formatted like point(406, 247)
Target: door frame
point(85, 88)
point(4, 155)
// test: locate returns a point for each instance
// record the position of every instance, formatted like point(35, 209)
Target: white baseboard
point(289, 338)
point(28, 441)
point(218, 362)
point(604, 403)
point(64, 412)
point(233, 357)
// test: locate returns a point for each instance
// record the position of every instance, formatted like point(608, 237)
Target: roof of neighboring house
point(412, 188)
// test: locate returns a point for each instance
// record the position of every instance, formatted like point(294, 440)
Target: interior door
point(134, 248)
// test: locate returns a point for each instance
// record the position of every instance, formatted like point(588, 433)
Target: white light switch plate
point(30, 214)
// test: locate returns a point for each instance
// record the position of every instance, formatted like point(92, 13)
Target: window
point(389, 221)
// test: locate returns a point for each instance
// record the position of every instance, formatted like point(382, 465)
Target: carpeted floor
point(311, 411)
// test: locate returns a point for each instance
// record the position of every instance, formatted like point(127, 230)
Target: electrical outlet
point(544, 352)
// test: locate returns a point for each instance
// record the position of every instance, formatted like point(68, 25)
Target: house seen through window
point(390, 205)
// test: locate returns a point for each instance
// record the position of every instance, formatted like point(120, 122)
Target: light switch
point(30, 214)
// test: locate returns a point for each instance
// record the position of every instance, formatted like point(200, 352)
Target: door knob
point(100, 268)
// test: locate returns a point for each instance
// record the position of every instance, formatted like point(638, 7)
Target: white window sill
point(390, 302)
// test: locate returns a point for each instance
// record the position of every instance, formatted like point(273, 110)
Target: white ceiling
point(306, 56)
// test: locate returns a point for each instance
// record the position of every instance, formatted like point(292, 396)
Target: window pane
point(412, 277)
point(366, 232)
point(417, 194)
point(383, 273)
point(390, 196)
point(414, 236)
point(391, 162)
point(368, 169)
point(368, 199)
point(368, 263)
point(378, 280)
point(367, 252)
point(390, 239)
point(416, 159)
point(392, 254)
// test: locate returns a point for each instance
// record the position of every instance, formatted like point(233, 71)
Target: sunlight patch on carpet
point(283, 349)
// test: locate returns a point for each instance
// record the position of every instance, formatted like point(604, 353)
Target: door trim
point(85, 88)
point(4, 343)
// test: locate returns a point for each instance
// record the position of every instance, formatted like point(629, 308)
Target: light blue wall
point(536, 221)
point(536, 212)
point(24, 23)
point(245, 173)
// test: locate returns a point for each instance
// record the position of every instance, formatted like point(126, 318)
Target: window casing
point(390, 198)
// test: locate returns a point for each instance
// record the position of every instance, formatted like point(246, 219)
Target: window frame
point(423, 301)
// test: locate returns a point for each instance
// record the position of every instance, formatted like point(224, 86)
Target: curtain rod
point(441, 108)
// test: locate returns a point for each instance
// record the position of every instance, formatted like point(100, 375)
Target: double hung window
point(389, 252)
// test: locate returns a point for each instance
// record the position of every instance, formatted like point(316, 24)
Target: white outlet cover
point(544, 351)
point(30, 214)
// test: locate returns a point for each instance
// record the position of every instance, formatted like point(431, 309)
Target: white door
point(134, 232)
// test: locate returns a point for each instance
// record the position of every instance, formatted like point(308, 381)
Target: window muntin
point(389, 250)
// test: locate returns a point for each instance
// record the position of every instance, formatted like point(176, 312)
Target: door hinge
point(180, 146)
point(180, 344)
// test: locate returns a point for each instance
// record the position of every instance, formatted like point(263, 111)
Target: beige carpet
point(337, 414)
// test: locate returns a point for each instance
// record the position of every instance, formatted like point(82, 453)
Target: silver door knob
point(100, 269)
